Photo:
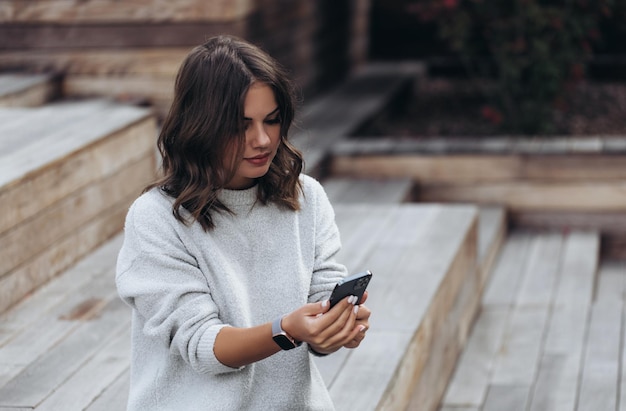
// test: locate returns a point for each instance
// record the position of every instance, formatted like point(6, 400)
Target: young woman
point(228, 259)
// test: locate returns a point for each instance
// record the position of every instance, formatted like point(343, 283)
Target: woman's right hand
point(325, 330)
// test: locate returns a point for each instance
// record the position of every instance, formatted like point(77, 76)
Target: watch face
point(284, 342)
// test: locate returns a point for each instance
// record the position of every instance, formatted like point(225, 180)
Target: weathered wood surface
point(560, 347)
point(51, 183)
point(68, 172)
point(94, 11)
point(75, 126)
point(148, 62)
point(421, 256)
point(571, 181)
point(332, 117)
point(373, 191)
point(23, 90)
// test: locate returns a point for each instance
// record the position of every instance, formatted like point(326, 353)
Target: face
point(262, 127)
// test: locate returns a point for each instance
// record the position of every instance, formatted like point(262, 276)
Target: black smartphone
point(352, 285)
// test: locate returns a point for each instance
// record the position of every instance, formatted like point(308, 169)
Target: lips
point(259, 160)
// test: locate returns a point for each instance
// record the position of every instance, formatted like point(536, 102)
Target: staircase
point(68, 172)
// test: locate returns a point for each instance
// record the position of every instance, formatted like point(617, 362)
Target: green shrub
point(533, 50)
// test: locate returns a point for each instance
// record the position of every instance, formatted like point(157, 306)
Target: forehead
point(260, 100)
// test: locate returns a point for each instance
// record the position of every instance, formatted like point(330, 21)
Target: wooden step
point(68, 172)
point(528, 346)
point(372, 191)
point(422, 295)
point(27, 90)
point(332, 117)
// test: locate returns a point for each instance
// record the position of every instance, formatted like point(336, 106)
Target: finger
point(344, 329)
point(334, 334)
point(364, 298)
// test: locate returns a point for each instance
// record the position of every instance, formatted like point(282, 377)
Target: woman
point(228, 259)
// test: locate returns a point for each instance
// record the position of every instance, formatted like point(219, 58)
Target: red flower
point(491, 114)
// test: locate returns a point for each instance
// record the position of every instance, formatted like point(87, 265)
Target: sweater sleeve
point(326, 270)
point(160, 279)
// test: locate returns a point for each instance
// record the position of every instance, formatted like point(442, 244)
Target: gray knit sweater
point(185, 284)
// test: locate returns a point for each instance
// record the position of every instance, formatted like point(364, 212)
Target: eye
point(275, 120)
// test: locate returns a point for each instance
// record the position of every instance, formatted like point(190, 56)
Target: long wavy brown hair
point(206, 120)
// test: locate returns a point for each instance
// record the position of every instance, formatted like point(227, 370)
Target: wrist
point(284, 340)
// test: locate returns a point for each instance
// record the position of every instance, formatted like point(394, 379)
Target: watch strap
point(281, 338)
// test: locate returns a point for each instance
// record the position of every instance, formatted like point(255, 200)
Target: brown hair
point(206, 119)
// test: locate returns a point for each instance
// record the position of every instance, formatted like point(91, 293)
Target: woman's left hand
point(362, 320)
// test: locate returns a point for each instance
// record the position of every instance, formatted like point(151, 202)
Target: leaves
point(533, 49)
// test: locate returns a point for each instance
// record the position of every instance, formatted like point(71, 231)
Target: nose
point(259, 136)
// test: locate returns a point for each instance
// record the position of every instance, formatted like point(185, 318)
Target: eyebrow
point(268, 115)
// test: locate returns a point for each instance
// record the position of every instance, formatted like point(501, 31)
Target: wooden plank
point(541, 273)
point(114, 397)
point(147, 62)
point(93, 11)
point(60, 143)
point(26, 127)
point(93, 377)
point(469, 384)
point(46, 374)
point(578, 196)
point(50, 36)
point(492, 231)
point(363, 238)
point(507, 397)
point(557, 382)
point(348, 190)
point(611, 281)
point(364, 231)
point(475, 167)
point(34, 342)
point(74, 172)
point(450, 336)
point(504, 283)
point(600, 374)
point(59, 291)
point(518, 358)
point(605, 222)
point(337, 114)
point(21, 90)
point(30, 238)
point(440, 256)
point(17, 285)
point(150, 88)
point(578, 269)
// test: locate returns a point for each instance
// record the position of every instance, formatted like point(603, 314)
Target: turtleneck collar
point(233, 198)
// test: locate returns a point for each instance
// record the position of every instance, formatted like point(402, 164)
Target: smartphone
point(351, 285)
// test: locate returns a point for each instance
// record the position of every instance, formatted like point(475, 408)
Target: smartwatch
point(281, 338)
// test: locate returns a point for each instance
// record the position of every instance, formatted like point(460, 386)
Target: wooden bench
point(68, 172)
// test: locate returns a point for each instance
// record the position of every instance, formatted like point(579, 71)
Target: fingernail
point(361, 327)
point(319, 315)
point(324, 303)
point(356, 309)
point(354, 299)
